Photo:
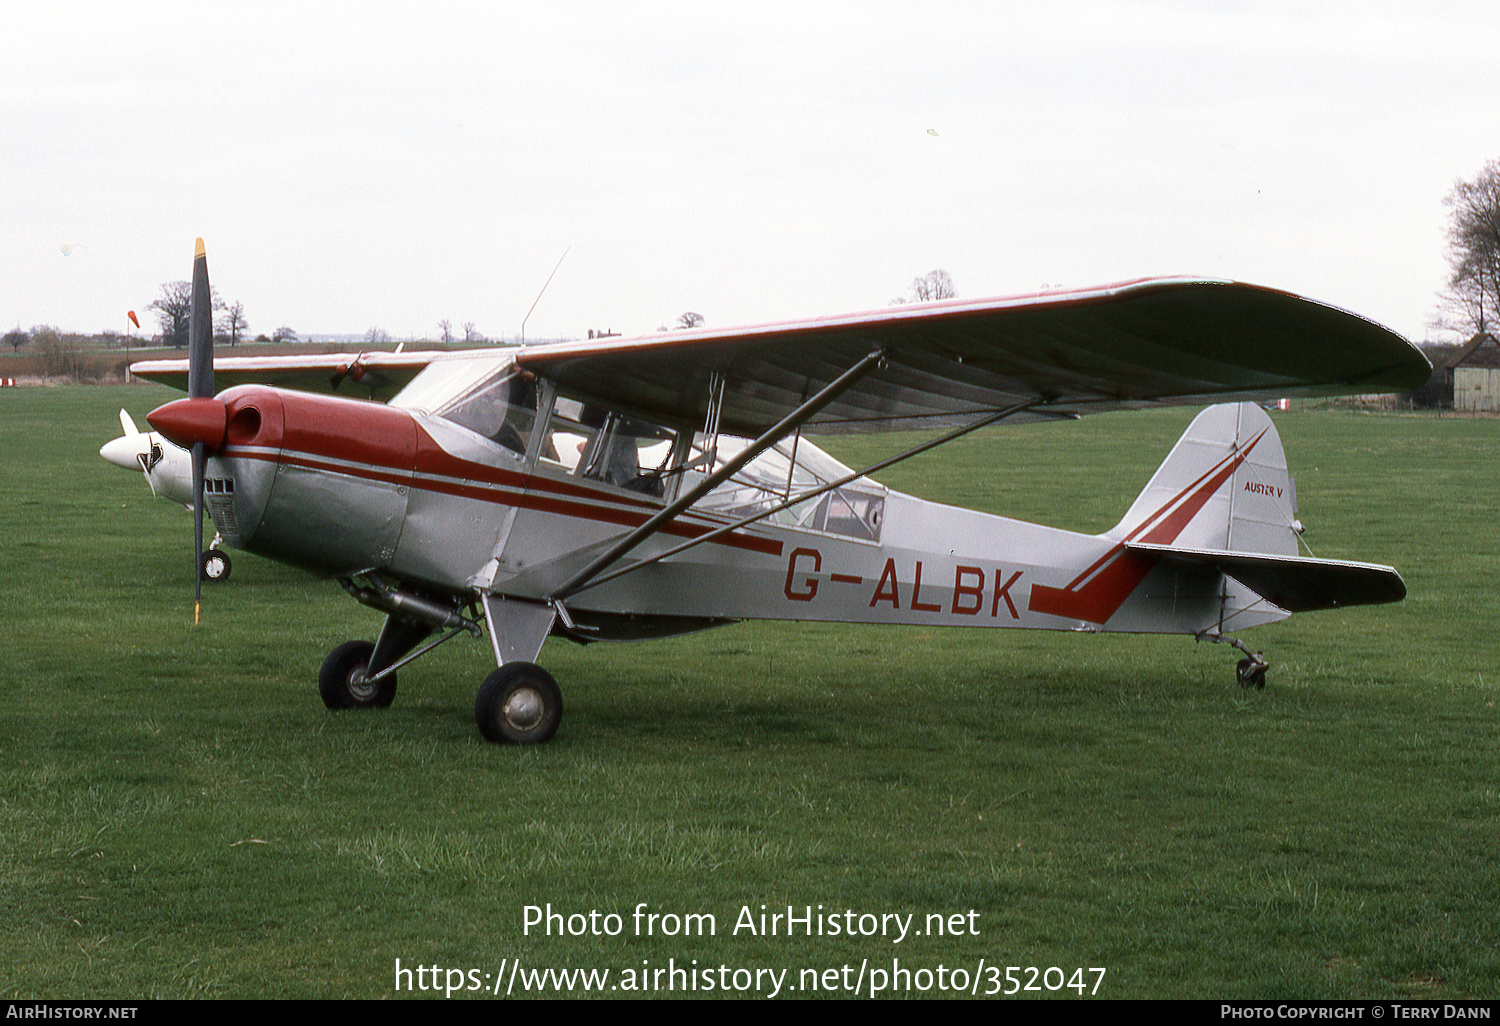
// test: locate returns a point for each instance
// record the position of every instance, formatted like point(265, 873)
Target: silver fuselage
point(344, 488)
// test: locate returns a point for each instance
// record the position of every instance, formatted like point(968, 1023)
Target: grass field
point(182, 818)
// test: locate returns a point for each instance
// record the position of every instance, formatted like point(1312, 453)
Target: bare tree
point(471, 334)
point(931, 286)
point(59, 358)
point(16, 339)
point(447, 327)
point(1473, 294)
point(690, 320)
point(377, 337)
point(233, 324)
point(174, 309)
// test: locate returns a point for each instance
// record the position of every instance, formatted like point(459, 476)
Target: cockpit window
point(502, 409)
point(589, 441)
point(446, 380)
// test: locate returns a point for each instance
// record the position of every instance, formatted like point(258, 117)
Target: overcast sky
point(391, 165)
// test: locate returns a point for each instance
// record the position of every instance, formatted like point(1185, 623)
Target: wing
point(376, 375)
point(1121, 346)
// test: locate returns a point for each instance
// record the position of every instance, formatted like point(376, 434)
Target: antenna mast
point(538, 298)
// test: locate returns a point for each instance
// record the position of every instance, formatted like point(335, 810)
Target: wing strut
point(813, 493)
point(835, 388)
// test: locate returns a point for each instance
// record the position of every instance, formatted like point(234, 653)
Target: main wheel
point(342, 681)
point(215, 565)
point(518, 704)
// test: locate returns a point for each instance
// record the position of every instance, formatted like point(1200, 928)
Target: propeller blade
point(201, 331)
point(126, 424)
point(200, 386)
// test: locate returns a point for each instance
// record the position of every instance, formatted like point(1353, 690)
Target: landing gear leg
point(519, 703)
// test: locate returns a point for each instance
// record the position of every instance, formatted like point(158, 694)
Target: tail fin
point(1223, 500)
point(1223, 487)
point(1220, 516)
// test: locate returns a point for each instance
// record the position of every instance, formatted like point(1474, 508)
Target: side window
point(570, 434)
point(631, 454)
point(599, 444)
point(852, 510)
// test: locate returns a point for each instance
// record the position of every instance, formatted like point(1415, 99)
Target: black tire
point(215, 565)
point(1250, 673)
point(342, 684)
point(518, 704)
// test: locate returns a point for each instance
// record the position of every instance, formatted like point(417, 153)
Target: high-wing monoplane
point(631, 488)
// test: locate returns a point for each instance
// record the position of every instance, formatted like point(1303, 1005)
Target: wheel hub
point(523, 710)
point(360, 687)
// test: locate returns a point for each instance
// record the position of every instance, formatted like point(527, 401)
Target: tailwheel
point(1251, 671)
point(518, 704)
point(344, 682)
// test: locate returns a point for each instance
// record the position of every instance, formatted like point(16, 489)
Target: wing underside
point(945, 364)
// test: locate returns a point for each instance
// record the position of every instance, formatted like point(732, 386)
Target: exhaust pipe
point(407, 606)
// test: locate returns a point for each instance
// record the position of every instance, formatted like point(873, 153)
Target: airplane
point(169, 474)
point(626, 488)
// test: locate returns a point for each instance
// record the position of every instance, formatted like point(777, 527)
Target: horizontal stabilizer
point(1295, 583)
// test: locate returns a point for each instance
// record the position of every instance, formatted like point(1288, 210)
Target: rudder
point(1224, 486)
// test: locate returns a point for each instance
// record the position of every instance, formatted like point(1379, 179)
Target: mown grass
point(182, 818)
